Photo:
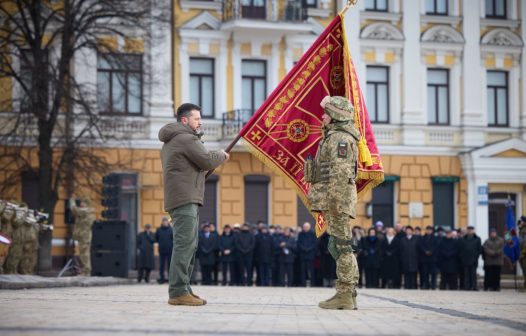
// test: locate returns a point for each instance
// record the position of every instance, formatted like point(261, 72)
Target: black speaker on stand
point(109, 252)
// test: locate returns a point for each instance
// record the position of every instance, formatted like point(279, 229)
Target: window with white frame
point(378, 93)
point(496, 9)
point(27, 66)
point(254, 84)
point(119, 84)
point(436, 7)
point(202, 85)
point(438, 96)
point(376, 5)
point(497, 96)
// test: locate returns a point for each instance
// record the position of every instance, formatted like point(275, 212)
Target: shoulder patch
point(343, 149)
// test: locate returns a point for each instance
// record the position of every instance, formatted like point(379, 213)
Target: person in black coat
point(371, 249)
point(409, 257)
point(327, 262)
point(145, 241)
point(448, 260)
point(213, 231)
point(227, 252)
point(286, 247)
point(164, 238)
point(207, 249)
point(306, 252)
point(427, 255)
point(245, 243)
point(470, 250)
point(264, 254)
point(390, 260)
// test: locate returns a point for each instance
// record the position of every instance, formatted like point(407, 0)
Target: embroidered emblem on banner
point(298, 130)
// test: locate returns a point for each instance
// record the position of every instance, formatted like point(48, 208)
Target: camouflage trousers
point(340, 230)
point(14, 257)
point(29, 257)
point(85, 258)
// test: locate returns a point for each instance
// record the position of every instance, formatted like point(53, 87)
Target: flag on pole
point(512, 247)
point(287, 127)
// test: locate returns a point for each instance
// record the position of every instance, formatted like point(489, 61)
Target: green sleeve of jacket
point(197, 153)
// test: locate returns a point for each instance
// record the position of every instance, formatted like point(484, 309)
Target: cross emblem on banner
point(256, 135)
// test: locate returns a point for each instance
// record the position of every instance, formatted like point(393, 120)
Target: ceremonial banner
point(287, 127)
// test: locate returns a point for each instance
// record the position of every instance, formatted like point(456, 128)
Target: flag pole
point(349, 4)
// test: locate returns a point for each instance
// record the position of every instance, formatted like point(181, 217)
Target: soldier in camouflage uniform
point(14, 257)
point(332, 175)
point(84, 218)
point(30, 247)
point(7, 214)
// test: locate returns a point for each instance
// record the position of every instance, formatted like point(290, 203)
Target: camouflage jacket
point(333, 172)
point(84, 218)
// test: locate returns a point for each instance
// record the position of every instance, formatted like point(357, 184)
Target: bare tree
point(53, 114)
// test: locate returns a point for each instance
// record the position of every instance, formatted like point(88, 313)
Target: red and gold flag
point(287, 127)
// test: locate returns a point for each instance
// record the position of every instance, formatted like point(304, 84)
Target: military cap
point(338, 108)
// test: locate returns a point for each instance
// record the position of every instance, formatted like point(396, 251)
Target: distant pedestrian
point(227, 253)
point(448, 260)
point(427, 254)
point(493, 260)
point(371, 246)
point(390, 270)
point(264, 254)
point(409, 257)
point(145, 241)
point(207, 250)
point(245, 243)
point(287, 248)
point(306, 253)
point(164, 239)
point(470, 250)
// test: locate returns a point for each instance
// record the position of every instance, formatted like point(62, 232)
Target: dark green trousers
point(184, 219)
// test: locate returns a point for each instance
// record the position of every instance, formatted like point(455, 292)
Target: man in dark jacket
point(264, 254)
point(207, 253)
point(245, 243)
point(145, 241)
point(164, 237)
point(470, 250)
point(390, 260)
point(427, 255)
point(227, 250)
point(409, 256)
point(287, 247)
point(185, 162)
point(448, 260)
point(307, 252)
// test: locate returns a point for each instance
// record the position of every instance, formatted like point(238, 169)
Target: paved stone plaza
point(142, 309)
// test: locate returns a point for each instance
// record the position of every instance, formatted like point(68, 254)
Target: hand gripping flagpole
point(349, 4)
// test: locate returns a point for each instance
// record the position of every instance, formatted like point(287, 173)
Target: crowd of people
point(394, 257)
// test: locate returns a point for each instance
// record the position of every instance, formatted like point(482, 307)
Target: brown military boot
point(342, 301)
point(186, 300)
point(197, 297)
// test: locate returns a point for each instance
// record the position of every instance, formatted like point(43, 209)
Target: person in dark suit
point(390, 260)
point(448, 260)
point(327, 262)
point(264, 254)
point(470, 251)
point(409, 257)
point(207, 249)
point(306, 253)
point(245, 243)
point(164, 238)
point(371, 246)
point(227, 250)
point(427, 254)
point(287, 247)
point(145, 241)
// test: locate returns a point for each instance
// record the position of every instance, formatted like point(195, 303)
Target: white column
point(413, 108)
point(522, 109)
point(221, 80)
point(473, 74)
point(236, 66)
point(161, 103)
point(184, 75)
point(352, 31)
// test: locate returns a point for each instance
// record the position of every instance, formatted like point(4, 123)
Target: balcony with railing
point(281, 15)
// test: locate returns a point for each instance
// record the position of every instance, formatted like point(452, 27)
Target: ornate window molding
point(501, 40)
point(196, 4)
point(442, 37)
point(382, 34)
point(206, 19)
